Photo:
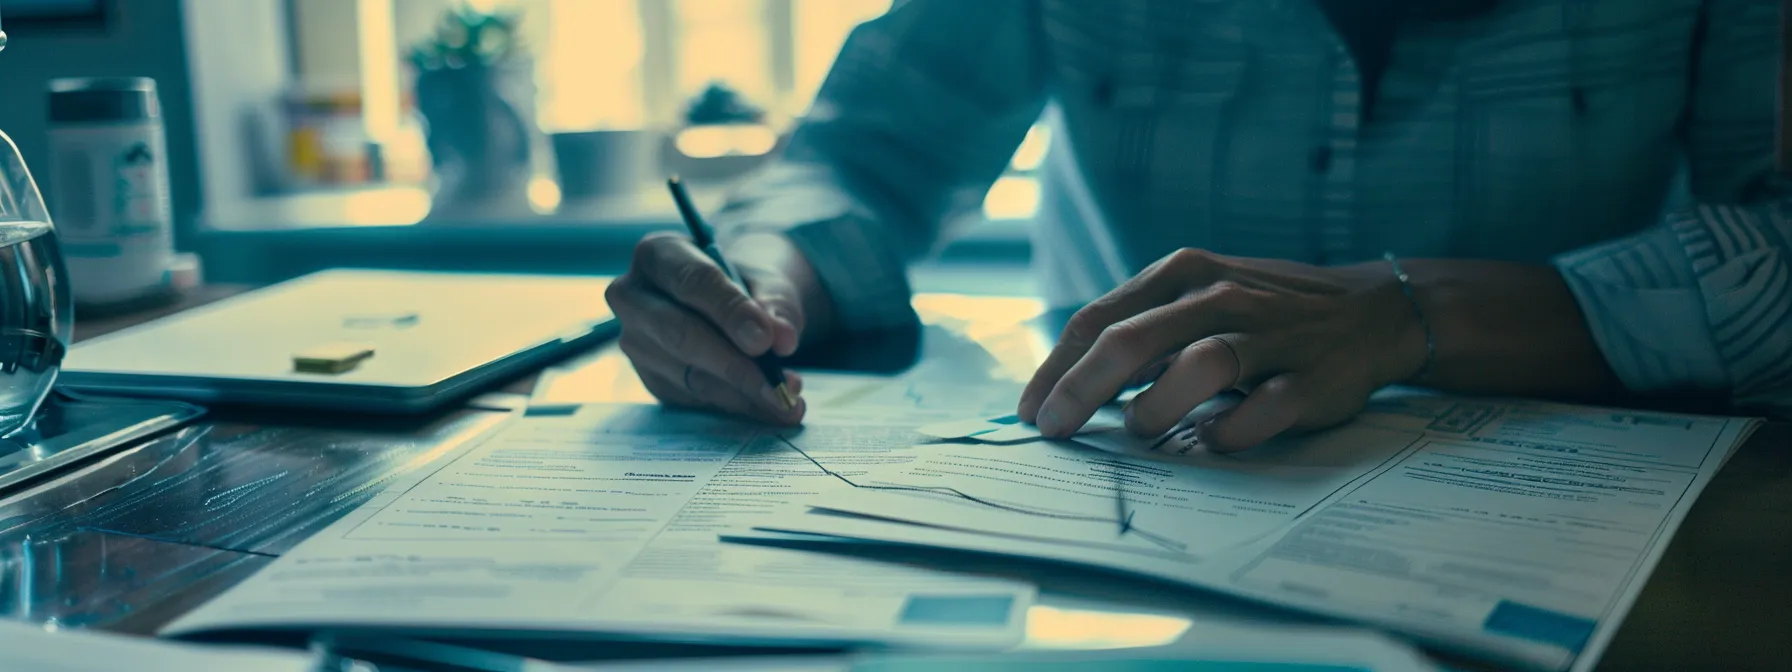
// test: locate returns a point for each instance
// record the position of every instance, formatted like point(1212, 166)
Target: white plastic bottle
point(110, 193)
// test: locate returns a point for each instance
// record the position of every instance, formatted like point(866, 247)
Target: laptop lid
point(432, 337)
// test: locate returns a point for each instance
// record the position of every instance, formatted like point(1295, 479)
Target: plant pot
point(595, 164)
point(483, 142)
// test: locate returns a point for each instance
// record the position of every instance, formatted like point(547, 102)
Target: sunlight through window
point(1032, 149)
point(1012, 198)
point(590, 72)
point(725, 41)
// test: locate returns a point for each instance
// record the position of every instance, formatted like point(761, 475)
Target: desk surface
point(129, 542)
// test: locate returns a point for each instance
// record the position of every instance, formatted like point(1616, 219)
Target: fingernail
point(751, 335)
point(1049, 422)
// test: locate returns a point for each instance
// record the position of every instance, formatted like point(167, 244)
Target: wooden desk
point(146, 534)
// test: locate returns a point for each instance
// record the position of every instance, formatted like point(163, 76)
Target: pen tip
point(673, 179)
point(784, 393)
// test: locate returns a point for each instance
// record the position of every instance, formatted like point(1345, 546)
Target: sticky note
point(331, 357)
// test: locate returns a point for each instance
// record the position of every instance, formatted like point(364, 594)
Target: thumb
point(780, 298)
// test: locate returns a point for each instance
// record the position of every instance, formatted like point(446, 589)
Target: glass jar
point(36, 314)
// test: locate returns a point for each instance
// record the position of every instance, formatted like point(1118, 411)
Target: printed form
point(604, 520)
point(1518, 531)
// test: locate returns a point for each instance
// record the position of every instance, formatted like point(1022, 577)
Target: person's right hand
point(692, 334)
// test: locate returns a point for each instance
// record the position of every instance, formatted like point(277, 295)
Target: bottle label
point(110, 201)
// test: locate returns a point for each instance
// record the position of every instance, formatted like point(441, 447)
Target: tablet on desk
point(362, 340)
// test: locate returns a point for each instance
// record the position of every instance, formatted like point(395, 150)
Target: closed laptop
point(363, 340)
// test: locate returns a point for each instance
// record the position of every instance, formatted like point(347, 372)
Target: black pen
point(705, 239)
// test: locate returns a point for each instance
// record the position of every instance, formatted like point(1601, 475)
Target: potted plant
point(475, 89)
point(724, 136)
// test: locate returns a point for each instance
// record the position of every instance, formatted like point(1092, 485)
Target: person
point(1578, 197)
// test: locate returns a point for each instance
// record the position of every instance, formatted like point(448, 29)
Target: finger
point(1200, 371)
point(679, 270)
point(653, 360)
point(779, 297)
point(649, 365)
point(1161, 283)
point(671, 337)
point(634, 345)
point(678, 384)
point(686, 338)
point(1151, 372)
point(1220, 404)
point(673, 392)
point(669, 392)
point(1128, 346)
point(1269, 410)
point(723, 395)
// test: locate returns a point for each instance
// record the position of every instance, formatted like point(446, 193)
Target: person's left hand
point(1308, 345)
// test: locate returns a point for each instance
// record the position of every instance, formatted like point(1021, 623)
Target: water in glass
point(36, 315)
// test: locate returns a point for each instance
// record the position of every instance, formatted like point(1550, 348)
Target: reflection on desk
point(148, 533)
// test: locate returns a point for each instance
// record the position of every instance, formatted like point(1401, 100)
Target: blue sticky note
point(973, 610)
point(1540, 625)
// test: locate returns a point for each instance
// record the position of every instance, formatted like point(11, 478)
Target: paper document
point(1179, 511)
point(920, 397)
point(26, 647)
point(605, 521)
point(1518, 531)
point(1211, 648)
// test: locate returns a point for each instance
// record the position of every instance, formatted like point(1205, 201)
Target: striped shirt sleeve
point(917, 118)
point(1703, 303)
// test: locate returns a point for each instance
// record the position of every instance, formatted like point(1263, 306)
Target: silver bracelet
point(1424, 322)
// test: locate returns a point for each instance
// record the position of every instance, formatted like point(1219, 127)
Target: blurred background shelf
point(275, 238)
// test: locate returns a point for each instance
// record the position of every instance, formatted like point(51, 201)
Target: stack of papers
point(1514, 531)
point(603, 522)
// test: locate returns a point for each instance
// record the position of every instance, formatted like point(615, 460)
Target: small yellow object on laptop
point(331, 357)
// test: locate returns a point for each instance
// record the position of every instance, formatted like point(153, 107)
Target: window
point(1016, 195)
point(590, 70)
point(620, 64)
point(635, 63)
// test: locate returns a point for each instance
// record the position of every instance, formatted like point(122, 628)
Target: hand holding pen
point(709, 332)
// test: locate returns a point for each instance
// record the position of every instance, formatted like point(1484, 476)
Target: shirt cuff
point(1647, 313)
point(860, 268)
point(864, 276)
